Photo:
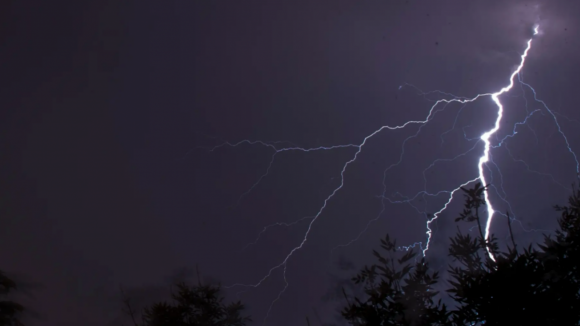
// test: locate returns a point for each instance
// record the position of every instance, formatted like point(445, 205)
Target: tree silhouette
point(197, 305)
point(537, 286)
point(398, 294)
point(533, 287)
point(9, 310)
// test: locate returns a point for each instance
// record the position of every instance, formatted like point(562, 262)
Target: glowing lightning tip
point(536, 29)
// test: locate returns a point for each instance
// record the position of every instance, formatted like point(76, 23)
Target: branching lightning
point(485, 162)
point(485, 137)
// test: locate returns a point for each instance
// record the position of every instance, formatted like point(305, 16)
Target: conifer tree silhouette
point(192, 305)
point(398, 294)
point(535, 286)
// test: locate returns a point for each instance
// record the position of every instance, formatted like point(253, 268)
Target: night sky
point(109, 112)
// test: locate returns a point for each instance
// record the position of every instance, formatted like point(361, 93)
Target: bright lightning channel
point(483, 160)
point(485, 137)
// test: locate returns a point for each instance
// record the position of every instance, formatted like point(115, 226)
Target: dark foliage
point(537, 286)
point(9, 310)
point(200, 305)
point(398, 294)
point(532, 287)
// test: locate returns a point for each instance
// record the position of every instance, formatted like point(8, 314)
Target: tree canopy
point(197, 305)
point(534, 286)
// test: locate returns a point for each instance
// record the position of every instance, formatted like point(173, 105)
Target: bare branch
point(127, 302)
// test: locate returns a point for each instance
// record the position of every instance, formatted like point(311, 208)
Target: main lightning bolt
point(483, 161)
point(485, 137)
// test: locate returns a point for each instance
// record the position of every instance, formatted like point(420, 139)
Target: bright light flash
point(485, 137)
point(484, 160)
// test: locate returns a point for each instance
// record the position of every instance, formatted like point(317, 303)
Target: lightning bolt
point(286, 224)
point(484, 160)
point(485, 137)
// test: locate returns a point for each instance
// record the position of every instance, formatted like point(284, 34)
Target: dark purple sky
point(108, 111)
